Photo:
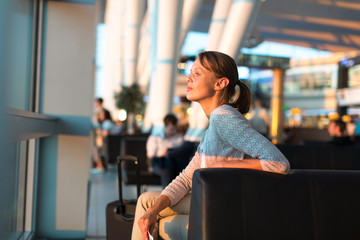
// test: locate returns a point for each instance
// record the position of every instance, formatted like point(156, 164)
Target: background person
point(259, 118)
point(229, 141)
point(104, 127)
point(337, 130)
point(98, 107)
point(158, 146)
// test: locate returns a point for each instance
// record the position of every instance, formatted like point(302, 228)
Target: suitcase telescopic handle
point(135, 160)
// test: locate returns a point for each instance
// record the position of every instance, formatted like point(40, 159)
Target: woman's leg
point(145, 201)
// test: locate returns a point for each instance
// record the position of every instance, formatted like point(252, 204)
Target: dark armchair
point(257, 205)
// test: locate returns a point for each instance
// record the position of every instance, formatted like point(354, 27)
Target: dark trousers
point(176, 160)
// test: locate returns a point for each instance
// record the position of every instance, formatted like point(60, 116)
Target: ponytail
point(241, 99)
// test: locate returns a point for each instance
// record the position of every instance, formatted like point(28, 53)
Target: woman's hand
point(147, 223)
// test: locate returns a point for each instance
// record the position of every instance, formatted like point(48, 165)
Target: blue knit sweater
point(229, 137)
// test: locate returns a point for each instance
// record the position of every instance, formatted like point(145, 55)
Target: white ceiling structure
point(328, 25)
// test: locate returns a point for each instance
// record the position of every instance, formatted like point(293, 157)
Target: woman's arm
point(147, 222)
point(245, 163)
point(238, 133)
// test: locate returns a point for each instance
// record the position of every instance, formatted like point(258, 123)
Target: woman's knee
point(147, 199)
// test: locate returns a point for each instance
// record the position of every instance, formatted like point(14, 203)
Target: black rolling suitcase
point(120, 213)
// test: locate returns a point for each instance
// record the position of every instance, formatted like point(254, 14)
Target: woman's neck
point(209, 104)
point(208, 107)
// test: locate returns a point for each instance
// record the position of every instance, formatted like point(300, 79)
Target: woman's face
point(201, 83)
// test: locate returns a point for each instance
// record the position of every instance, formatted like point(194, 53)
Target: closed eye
point(195, 72)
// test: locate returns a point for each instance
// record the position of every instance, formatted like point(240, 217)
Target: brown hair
point(223, 65)
point(170, 119)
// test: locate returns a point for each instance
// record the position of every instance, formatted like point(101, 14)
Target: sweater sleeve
point(151, 146)
point(181, 185)
point(237, 132)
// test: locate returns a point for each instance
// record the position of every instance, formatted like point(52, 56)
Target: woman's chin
point(191, 97)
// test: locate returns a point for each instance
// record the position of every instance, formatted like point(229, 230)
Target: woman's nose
point(188, 78)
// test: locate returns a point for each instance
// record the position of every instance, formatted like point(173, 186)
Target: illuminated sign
point(348, 96)
point(257, 61)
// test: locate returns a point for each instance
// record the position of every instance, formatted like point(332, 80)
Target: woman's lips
point(188, 89)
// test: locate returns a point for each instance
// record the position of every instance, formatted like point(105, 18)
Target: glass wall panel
point(9, 192)
point(21, 186)
point(18, 57)
point(5, 186)
point(16, 29)
point(14, 195)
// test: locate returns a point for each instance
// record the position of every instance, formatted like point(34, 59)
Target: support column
point(110, 69)
point(241, 14)
point(153, 19)
point(276, 127)
point(134, 15)
point(190, 10)
point(143, 67)
point(144, 74)
point(163, 76)
point(64, 159)
point(218, 21)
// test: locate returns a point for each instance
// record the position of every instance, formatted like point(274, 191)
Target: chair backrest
point(249, 204)
point(135, 145)
point(113, 147)
point(316, 156)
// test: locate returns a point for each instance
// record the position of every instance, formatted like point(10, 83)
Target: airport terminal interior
point(299, 58)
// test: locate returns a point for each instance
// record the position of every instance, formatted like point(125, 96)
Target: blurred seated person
point(259, 118)
point(118, 127)
point(105, 127)
point(351, 128)
point(337, 130)
point(98, 107)
point(178, 158)
point(158, 146)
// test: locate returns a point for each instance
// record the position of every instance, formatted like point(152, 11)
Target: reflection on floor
point(104, 189)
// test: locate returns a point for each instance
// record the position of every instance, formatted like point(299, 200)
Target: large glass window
point(17, 197)
point(310, 79)
point(19, 53)
point(20, 188)
point(13, 196)
point(18, 29)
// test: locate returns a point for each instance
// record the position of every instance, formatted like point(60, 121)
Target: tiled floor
point(104, 189)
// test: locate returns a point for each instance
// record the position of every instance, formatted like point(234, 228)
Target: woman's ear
point(221, 83)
